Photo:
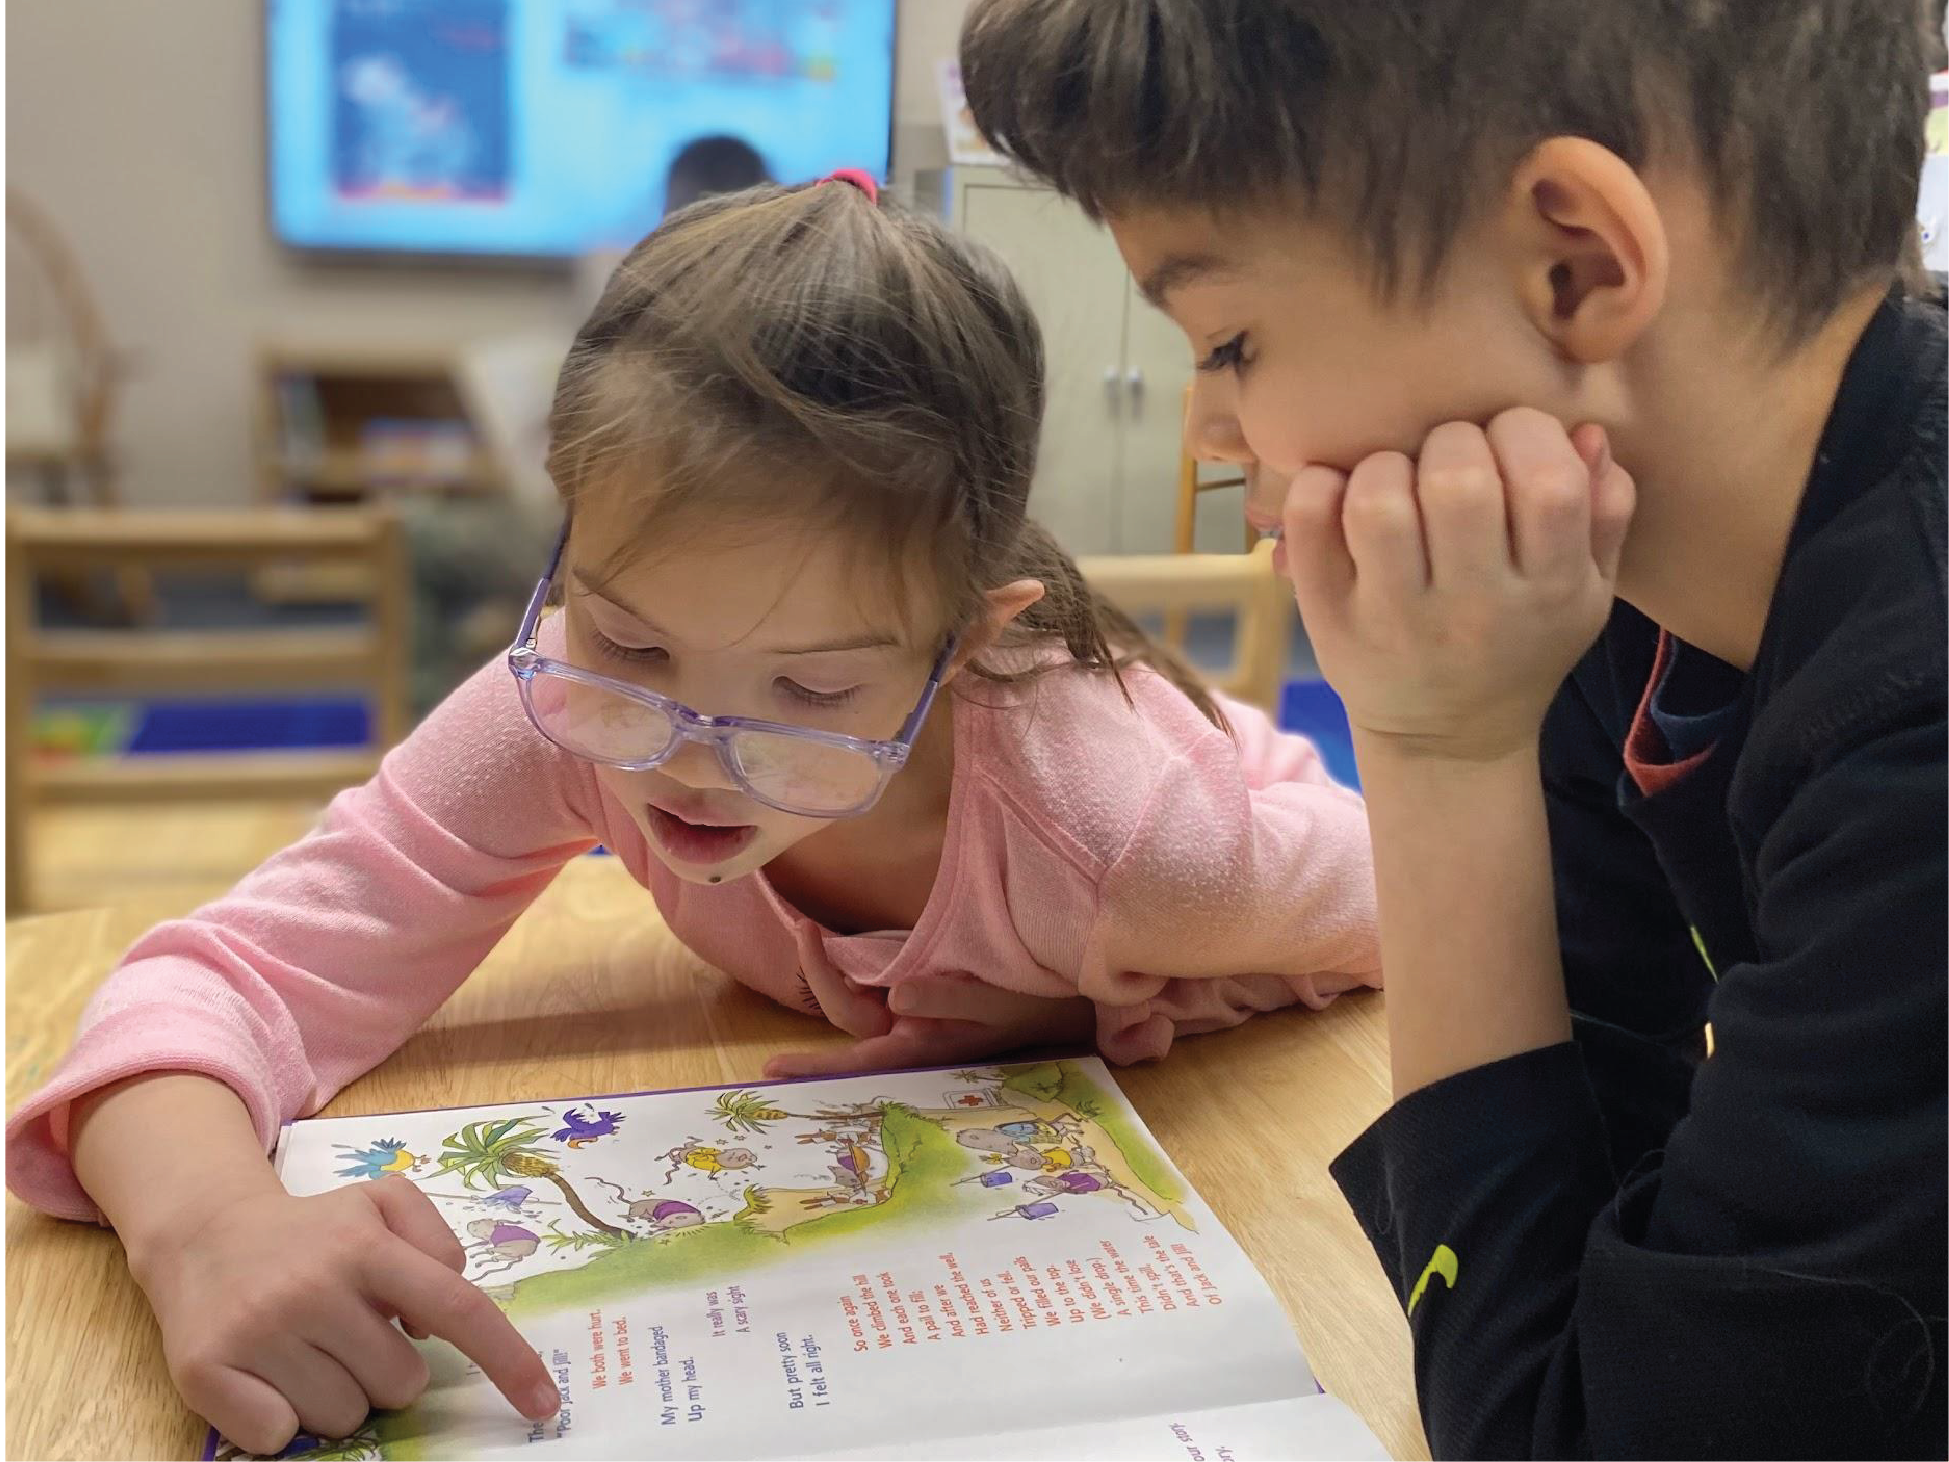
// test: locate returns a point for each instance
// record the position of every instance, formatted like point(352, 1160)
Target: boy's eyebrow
point(866, 640)
point(1175, 271)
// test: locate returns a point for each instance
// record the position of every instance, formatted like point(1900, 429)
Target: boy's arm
point(1770, 1285)
point(1636, 981)
point(1468, 914)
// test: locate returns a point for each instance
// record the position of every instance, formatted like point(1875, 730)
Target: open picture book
point(994, 1262)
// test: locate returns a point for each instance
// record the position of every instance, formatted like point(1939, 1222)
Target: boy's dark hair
point(1806, 116)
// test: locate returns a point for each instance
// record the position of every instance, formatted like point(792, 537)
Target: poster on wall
point(419, 109)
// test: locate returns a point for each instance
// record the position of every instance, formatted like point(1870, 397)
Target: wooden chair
point(371, 657)
point(1244, 583)
point(1191, 483)
point(64, 378)
point(62, 372)
point(1185, 540)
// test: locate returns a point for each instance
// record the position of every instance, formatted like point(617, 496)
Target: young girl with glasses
point(855, 722)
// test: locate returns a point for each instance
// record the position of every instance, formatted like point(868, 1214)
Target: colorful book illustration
point(994, 1262)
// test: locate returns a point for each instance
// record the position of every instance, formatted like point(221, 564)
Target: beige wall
point(138, 125)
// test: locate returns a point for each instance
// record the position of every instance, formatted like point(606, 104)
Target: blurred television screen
point(546, 128)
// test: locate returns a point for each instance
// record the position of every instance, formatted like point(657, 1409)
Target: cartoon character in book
point(1034, 1132)
point(517, 1200)
point(712, 1161)
point(508, 1242)
point(665, 1215)
point(579, 1131)
point(1078, 1181)
point(386, 1156)
point(854, 1167)
point(512, 1199)
point(1043, 1159)
point(984, 1139)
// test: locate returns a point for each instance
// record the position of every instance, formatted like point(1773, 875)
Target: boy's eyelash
point(827, 699)
point(1229, 356)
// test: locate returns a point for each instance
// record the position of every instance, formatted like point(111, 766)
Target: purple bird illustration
point(579, 1131)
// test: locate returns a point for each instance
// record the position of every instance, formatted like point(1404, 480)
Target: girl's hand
point(276, 1312)
point(1448, 598)
point(947, 1019)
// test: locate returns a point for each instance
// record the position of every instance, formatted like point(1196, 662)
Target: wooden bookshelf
point(339, 423)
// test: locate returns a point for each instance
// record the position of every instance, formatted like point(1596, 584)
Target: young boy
point(1656, 773)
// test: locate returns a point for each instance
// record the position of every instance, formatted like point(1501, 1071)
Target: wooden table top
point(590, 993)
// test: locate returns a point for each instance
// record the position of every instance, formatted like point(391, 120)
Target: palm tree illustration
point(751, 1112)
point(481, 1151)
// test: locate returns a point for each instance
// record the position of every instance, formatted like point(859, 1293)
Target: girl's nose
point(699, 767)
point(1211, 429)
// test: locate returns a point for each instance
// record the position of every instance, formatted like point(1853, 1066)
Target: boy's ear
point(1003, 607)
point(1589, 248)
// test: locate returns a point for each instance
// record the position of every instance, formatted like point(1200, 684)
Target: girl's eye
point(826, 698)
point(1227, 357)
point(630, 654)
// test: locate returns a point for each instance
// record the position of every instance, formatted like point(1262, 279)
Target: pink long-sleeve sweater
point(1179, 878)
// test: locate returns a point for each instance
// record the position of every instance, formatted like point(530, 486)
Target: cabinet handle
point(1135, 380)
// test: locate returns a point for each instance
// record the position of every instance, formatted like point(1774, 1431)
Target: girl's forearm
point(161, 1151)
point(1467, 910)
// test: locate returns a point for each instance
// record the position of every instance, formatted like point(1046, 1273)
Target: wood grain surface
point(590, 993)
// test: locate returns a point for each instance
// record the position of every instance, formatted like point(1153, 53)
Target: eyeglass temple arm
point(531, 621)
point(914, 722)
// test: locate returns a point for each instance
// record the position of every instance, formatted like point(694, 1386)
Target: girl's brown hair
point(816, 355)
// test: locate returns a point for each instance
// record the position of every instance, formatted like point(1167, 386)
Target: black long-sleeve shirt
point(1624, 1247)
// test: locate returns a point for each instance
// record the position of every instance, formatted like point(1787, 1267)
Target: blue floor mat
point(251, 725)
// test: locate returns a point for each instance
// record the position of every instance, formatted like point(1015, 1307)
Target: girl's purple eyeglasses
point(792, 769)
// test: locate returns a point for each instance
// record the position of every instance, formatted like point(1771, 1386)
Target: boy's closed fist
point(1448, 596)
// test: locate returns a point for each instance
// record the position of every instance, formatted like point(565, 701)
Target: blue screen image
point(547, 128)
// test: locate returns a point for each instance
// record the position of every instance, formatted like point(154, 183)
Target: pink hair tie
point(858, 178)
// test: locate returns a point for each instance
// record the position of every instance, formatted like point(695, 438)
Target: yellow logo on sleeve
point(1442, 1263)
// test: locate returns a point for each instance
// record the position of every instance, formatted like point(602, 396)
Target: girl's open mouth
point(698, 844)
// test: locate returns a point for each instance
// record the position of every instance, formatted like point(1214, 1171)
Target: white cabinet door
point(1157, 367)
point(1075, 282)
